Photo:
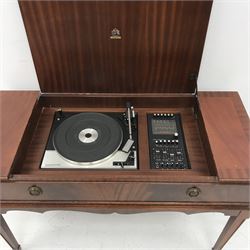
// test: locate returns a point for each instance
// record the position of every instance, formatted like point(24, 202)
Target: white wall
point(17, 68)
point(225, 62)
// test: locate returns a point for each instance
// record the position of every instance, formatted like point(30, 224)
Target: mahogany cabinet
point(152, 62)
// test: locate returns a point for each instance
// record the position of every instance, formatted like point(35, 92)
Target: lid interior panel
point(156, 47)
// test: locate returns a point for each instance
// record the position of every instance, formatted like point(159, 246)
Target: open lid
point(116, 46)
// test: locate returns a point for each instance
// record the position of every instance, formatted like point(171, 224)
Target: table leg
point(7, 234)
point(232, 225)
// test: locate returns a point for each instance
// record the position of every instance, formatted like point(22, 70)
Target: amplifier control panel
point(166, 142)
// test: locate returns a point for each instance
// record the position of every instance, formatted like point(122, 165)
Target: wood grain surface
point(227, 126)
point(111, 100)
point(15, 111)
point(159, 51)
point(125, 207)
point(125, 191)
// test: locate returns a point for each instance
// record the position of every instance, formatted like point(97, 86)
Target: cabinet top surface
point(222, 127)
point(15, 112)
point(227, 126)
point(116, 46)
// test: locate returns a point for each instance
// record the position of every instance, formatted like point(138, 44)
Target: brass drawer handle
point(193, 191)
point(35, 190)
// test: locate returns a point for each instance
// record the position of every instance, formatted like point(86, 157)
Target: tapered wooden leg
point(232, 225)
point(7, 234)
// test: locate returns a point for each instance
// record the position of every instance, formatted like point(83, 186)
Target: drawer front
point(197, 192)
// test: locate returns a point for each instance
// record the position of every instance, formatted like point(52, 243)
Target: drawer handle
point(35, 190)
point(193, 191)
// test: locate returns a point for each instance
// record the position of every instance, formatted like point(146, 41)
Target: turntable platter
point(88, 137)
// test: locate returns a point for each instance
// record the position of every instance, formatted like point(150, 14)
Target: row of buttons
point(163, 115)
point(157, 142)
point(164, 155)
point(169, 165)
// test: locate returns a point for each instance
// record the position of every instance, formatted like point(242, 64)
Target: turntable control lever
point(128, 145)
point(129, 112)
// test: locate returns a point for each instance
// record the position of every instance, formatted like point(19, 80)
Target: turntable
point(90, 140)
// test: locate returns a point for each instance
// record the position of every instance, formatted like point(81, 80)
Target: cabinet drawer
point(125, 192)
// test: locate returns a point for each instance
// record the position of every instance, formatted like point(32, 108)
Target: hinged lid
point(116, 46)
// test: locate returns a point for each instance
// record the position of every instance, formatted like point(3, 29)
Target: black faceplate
point(166, 142)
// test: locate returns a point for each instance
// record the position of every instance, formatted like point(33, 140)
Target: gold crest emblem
point(115, 34)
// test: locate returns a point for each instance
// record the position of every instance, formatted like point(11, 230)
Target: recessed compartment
point(30, 155)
